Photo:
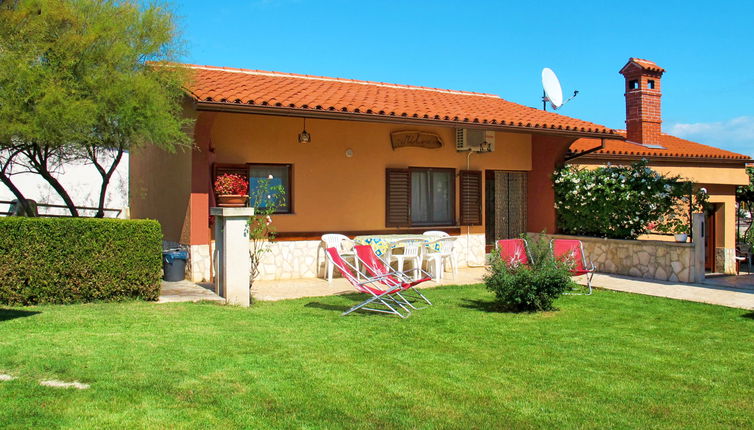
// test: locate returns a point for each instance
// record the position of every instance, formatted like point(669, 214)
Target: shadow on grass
point(9, 314)
point(486, 306)
point(353, 299)
point(748, 315)
point(327, 307)
point(493, 307)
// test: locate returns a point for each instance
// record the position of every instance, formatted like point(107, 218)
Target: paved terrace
point(731, 291)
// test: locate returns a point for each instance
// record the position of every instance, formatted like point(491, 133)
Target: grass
point(610, 360)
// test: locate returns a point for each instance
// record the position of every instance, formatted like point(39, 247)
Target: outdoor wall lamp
point(485, 147)
point(304, 136)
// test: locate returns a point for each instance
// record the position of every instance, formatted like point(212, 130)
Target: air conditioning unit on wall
point(474, 139)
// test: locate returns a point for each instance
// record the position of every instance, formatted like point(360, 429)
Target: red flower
point(231, 184)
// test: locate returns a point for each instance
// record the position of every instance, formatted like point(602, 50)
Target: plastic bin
point(174, 264)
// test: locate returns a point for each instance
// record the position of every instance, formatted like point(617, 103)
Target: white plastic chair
point(439, 250)
point(435, 233)
point(413, 250)
point(337, 241)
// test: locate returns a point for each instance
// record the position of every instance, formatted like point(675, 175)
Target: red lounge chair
point(514, 251)
point(378, 292)
point(572, 250)
point(386, 276)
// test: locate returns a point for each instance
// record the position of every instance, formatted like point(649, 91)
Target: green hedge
point(74, 260)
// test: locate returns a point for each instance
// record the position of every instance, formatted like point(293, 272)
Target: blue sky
point(500, 47)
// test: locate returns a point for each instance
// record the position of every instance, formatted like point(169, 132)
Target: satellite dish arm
point(575, 93)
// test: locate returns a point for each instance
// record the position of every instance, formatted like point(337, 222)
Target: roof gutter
point(367, 117)
point(656, 158)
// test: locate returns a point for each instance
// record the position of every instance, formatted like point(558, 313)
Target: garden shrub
point(617, 202)
point(745, 200)
point(74, 260)
point(531, 287)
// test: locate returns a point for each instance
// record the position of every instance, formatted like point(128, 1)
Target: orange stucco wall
point(549, 153)
point(333, 192)
point(159, 189)
point(330, 191)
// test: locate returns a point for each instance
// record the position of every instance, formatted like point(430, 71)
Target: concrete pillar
point(699, 230)
point(232, 244)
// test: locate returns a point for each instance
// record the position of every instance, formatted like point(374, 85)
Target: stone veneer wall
point(725, 260)
point(649, 259)
point(305, 258)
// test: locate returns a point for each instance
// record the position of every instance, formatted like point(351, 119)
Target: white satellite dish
point(551, 86)
point(553, 93)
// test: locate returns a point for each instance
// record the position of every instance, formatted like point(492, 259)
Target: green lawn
point(609, 360)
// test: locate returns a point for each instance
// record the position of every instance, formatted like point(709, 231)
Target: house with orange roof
point(377, 158)
point(717, 170)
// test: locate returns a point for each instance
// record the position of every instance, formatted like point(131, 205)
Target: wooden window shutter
point(471, 197)
point(233, 169)
point(397, 198)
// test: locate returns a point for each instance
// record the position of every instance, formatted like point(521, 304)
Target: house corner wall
point(159, 189)
point(548, 152)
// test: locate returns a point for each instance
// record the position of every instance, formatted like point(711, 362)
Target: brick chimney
point(643, 116)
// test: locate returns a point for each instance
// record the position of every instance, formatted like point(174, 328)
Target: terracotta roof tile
point(644, 64)
point(674, 147)
point(287, 90)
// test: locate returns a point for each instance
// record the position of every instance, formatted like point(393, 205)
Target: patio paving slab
point(316, 287)
point(716, 291)
point(187, 291)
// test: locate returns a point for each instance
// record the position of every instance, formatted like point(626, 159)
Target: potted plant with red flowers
point(231, 190)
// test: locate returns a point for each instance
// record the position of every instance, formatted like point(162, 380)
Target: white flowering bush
point(745, 200)
point(619, 202)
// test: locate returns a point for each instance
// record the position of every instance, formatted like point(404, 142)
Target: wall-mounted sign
point(418, 139)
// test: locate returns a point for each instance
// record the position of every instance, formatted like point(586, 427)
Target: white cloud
point(735, 134)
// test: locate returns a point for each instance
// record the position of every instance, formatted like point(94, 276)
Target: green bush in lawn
point(74, 260)
point(532, 287)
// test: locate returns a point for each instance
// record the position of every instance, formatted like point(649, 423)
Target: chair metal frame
point(385, 275)
point(371, 286)
point(743, 255)
point(583, 269)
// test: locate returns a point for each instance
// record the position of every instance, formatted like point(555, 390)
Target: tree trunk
point(58, 187)
point(5, 179)
point(106, 176)
point(38, 157)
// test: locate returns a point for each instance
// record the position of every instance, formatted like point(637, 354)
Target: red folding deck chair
point(572, 250)
point(386, 276)
point(514, 251)
point(380, 293)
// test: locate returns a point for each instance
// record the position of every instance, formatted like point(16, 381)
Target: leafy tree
point(86, 80)
point(745, 199)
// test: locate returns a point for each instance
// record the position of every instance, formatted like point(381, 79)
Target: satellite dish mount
point(551, 90)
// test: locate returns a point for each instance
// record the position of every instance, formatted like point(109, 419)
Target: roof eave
point(626, 157)
point(372, 117)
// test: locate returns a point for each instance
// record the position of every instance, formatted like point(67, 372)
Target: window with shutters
point(471, 197)
point(420, 197)
point(277, 175)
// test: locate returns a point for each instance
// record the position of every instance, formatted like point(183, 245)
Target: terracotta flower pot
point(232, 200)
